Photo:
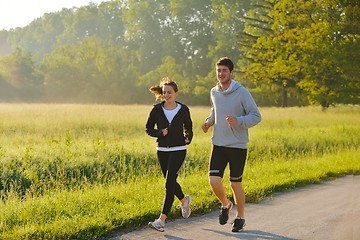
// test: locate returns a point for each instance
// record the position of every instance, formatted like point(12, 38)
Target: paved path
point(330, 210)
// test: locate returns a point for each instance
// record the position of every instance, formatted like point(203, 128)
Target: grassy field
point(82, 171)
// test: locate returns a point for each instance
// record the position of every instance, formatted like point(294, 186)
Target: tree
point(41, 35)
point(144, 34)
point(304, 50)
point(330, 74)
point(267, 60)
point(5, 46)
point(17, 72)
point(91, 71)
point(348, 50)
point(284, 50)
point(227, 25)
point(192, 22)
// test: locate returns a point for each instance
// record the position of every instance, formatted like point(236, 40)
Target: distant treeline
point(287, 52)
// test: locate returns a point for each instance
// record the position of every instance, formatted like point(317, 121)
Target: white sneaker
point(157, 225)
point(185, 208)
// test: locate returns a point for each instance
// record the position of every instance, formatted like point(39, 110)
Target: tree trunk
point(324, 104)
point(284, 97)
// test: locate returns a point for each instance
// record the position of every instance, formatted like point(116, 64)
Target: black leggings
point(170, 163)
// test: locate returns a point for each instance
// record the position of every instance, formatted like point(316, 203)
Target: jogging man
point(233, 112)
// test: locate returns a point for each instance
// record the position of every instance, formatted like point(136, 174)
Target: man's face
point(223, 74)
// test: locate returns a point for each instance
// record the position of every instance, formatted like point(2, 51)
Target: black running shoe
point(238, 225)
point(224, 214)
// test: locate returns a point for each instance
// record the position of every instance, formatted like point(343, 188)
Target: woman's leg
point(163, 158)
point(174, 162)
point(179, 161)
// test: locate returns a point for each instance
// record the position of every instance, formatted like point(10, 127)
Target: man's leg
point(237, 165)
point(218, 189)
point(217, 166)
point(216, 171)
point(239, 197)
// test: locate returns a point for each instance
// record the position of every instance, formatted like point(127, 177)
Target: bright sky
point(19, 13)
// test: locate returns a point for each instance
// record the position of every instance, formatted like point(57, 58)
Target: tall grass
point(77, 171)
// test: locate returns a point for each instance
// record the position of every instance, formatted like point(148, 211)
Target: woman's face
point(169, 93)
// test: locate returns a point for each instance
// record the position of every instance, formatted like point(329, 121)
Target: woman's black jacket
point(179, 129)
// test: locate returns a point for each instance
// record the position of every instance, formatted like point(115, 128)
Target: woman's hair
point(157, 90)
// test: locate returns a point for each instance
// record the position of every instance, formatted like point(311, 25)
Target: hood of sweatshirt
point(233, 87)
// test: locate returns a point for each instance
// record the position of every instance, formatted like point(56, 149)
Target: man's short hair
point(225, 61)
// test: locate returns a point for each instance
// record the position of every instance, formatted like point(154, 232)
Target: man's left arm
point(252, 114)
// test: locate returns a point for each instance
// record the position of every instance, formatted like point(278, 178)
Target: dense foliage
point(287, 52)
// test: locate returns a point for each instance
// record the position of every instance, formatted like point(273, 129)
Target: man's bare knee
point(215, 180)
point(236, 185)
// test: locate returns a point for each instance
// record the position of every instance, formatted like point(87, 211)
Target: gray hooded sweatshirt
point(235, 101)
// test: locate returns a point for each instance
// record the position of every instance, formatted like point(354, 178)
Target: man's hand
point(205, 127)
point(232, 121)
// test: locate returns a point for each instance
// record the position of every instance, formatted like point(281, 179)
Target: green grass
point(77, 171)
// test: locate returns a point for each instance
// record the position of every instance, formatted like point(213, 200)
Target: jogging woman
point(170, 122)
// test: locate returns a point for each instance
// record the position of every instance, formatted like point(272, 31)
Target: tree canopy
point(287, 52)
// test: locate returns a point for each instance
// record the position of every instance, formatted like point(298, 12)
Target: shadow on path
point(175, 238)
point(245, 235)
point(251, 235)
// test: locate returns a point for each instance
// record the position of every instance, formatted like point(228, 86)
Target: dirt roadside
point(329, 210)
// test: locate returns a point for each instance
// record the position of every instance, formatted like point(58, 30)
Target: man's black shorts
point(221, 156)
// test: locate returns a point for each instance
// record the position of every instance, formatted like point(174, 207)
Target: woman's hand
point(165, 131)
